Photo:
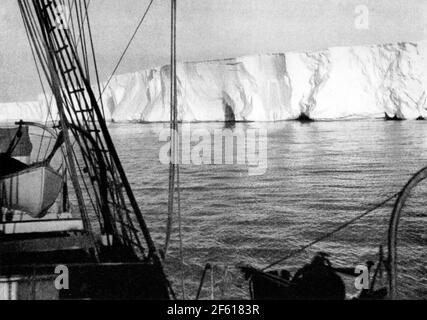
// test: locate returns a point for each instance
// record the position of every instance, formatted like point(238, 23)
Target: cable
point(328, 235)
point(94, 56)
point(127, 47)
point(181, 244)
point(35, 46)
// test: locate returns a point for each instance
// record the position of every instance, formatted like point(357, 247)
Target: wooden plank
point(43, 226)
point(81, 242)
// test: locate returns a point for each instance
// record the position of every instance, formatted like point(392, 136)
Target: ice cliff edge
point(336, 83)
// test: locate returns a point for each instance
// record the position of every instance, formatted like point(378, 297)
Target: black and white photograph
point(193, 151)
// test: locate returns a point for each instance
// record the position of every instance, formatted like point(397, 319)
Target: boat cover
point(23, 148)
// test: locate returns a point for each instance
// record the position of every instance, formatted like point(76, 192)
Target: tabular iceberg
point(336, 83)
point(15, 111)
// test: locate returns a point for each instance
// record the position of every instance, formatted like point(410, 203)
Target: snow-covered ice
point(336, 83)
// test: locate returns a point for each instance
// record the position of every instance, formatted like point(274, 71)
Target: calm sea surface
point(319, 175)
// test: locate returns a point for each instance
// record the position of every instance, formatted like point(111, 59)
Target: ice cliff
point(336, 83)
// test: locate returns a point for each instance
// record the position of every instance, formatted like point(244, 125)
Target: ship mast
point(63, 44)
point(174, 166)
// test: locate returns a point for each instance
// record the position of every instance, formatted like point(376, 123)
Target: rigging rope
point(174, 169)
point(94, 56)
point(35, 47)
point(127, 47)
point(181, 244)
point(328, 235)
point(77, 43)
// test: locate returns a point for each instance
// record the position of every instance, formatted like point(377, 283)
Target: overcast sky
point(211, 29)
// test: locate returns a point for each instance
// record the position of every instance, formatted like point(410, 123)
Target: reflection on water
point(319, 175)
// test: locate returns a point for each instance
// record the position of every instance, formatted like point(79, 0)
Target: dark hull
point(33, 265)
point(137, 281)
point(266, 286)
point(325, 285)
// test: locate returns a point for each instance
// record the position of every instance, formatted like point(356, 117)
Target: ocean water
point(318, 176)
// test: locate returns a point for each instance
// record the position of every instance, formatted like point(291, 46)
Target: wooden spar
point(394, 228)
point(176, 143)
point(173, 126)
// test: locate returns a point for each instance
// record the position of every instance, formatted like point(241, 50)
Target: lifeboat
point(33, 190)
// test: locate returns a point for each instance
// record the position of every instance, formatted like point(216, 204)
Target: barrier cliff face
point(337, 83)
